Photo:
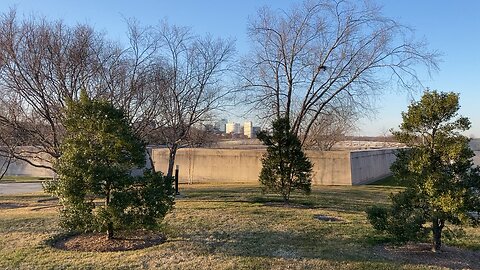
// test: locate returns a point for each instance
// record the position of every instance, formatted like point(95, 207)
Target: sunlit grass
point(388, 181)
point(226, 227)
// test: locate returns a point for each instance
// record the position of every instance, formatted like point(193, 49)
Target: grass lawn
point(389, 181)
point(226, 227)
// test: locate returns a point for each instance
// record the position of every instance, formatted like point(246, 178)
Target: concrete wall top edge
point(375, 150)
point(249, 153)
point(162, 149)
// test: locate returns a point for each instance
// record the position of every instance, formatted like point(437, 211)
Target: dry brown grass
point(228, 227)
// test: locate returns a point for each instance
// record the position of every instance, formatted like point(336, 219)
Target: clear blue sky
point(451, 27)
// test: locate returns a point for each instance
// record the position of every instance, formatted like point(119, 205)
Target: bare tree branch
point(44, 64)
point(195, 88)
point(321, 52)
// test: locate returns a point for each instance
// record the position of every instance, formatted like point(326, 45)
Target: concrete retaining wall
point(370, 165)
point(330, 167)
point(22, 168)
point(201, 165)
point(476, 158)
point(205, 165)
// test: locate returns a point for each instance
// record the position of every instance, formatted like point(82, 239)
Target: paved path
point(15, 188)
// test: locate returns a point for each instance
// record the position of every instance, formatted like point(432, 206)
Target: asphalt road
point(15, 188)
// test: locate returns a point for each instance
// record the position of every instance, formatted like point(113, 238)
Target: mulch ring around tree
point(98, 242)
point(448, 257)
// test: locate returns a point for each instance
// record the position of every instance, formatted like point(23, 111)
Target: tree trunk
point(110, 230)
point(5, 166)
point(171, 160)
point(437, 226)
point(286, 198)
point(149, 154)
point(109, 223)
point(285, 189)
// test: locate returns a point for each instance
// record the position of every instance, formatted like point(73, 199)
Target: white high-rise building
point(232, 127)
point(248, 129)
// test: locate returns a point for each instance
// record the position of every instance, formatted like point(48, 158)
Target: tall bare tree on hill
point(324, 52)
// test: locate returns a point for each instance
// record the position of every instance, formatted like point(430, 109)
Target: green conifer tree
point(285, 167)
point(97, 156)
point(436, 169)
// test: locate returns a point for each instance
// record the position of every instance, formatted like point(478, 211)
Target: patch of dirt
point(326, 218)
point(98, 241)
point(11, 205)
point(287, 205)
point(449, 257)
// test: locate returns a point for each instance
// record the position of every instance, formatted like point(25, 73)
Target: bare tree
point(332, 126)
point(203, 136)
point(134, 78)
point(196, 87)
point(43, 64)
point(325, 52)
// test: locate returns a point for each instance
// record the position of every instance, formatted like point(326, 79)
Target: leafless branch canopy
point(196, 89)
point(325, 52)
point(332, 126)
point(43, 64)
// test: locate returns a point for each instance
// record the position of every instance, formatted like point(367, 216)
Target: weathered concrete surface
point(207, 165)
point(16, 188)
point(371, 165)
point(202, 165)
point(476, 158)
point(22, 168)
point(330, 167)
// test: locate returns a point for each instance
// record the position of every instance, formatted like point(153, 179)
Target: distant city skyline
point(448, 26)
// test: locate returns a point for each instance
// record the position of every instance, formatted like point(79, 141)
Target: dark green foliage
point(404, 220)
point(378, 216)
point(98, 154)
point(147, 198)
point(285, 167)
point(437, 171)
point(77, 215)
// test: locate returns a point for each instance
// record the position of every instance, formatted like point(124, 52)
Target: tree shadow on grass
point(351, 206)
point(354, 199)
point(301, 245)
point(421, 254)
point(28, 225)
point(282, 245)
point(9, 205)
point(385, 246)
point(97, 242)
